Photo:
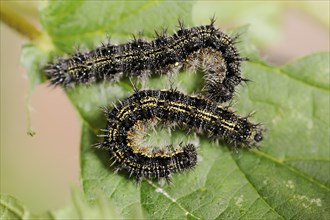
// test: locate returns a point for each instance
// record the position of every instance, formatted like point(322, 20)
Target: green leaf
point(287, 178)
point(310, 72)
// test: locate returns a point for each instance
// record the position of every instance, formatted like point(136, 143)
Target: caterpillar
point(202, 47)
point(136, 113)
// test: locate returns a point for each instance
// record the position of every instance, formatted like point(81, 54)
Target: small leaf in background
point(78, 208)
point(265, 17)
point(11, 208)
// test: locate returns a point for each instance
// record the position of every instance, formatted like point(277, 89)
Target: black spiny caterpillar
point(134, 114)
point(202, 47)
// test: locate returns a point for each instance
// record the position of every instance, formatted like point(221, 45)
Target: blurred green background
point(41, 170)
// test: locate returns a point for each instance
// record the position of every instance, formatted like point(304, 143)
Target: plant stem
point(14, 20)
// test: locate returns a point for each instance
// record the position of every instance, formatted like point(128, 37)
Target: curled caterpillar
point(202, 47)
point(137, 112)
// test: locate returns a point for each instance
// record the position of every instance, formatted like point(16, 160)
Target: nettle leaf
point(288, 177)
